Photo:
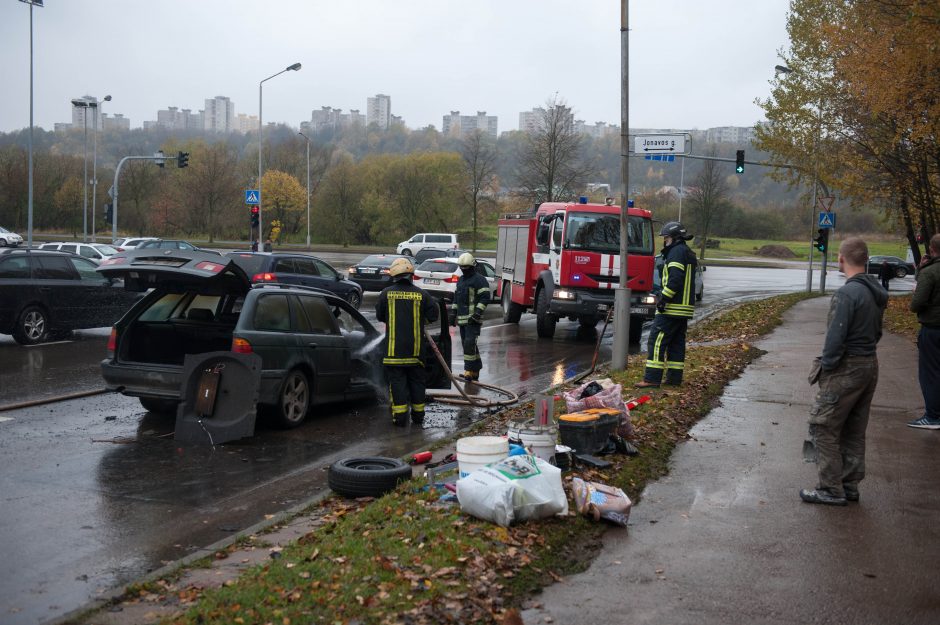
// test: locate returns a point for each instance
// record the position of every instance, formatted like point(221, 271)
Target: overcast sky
point(693, 63)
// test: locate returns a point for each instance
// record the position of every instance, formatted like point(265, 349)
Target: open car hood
point(175, 269)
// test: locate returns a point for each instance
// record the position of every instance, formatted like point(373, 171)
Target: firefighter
point(674, 308)
point(471, 296)
point(405, 309)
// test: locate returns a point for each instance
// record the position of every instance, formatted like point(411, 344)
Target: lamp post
point(29, 212)
point(308, 187)
point(620, 348)
point(289, 68)
point(94, 168)
point(84, 104)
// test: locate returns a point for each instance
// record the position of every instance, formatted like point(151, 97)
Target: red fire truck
point(563, 260)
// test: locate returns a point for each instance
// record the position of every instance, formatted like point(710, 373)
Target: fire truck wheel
point(636, 329)
point(512, 312)
point(544, 321)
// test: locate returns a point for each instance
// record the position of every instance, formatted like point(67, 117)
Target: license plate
point(368, 270)
point(646, 311)
point(431, 281)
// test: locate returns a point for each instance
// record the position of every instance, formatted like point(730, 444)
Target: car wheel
point(636, 329)
point(406, 252)
point(901, 272)
point(355, 299)
point(512, 312)
point(367, 477)
point(544, 322)
point(158, 406)
point(3, 242)
point(294, 399)
point(32, 326)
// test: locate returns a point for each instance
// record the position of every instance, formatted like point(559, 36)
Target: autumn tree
point(338, 207)
point(67, 202)
point(707, 199)
point(209, 185)
point(284, 200)
point(479, 158)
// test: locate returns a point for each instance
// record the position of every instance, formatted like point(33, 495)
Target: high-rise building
point(218, 114)
point(534, 120)
point(79, 113)
point(462, 125)
point(741, 135)
point(115, 122)
point(245, 123)
point(379, 111)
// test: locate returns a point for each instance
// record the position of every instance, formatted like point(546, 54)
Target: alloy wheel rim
point(295, 398)
point(34, 325)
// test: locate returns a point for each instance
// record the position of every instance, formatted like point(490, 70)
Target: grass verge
point(899, 319)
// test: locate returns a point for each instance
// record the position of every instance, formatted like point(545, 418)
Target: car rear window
point(55, 268)
point(16, 267)
point(250, 263)
point(433, 265)
point(378, 261)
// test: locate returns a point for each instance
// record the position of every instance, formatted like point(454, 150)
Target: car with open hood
point(314, 346)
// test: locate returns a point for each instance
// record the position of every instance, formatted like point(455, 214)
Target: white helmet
point(400, 266)
point(466, 260)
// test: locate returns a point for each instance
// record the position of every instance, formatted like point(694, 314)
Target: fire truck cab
point(563, 261)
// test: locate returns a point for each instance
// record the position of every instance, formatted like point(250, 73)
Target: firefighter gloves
point(477, 317)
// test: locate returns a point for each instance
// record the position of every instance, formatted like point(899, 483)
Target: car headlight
point(649, 299)
point(563, 294)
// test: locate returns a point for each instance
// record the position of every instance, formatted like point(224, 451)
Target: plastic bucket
point(540, 439)
point(475, 452)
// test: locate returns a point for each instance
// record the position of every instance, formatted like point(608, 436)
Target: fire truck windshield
point(597, 232)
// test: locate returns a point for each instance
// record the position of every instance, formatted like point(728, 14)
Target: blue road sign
point(827, 220)
point(668, 158)
point(251, 197)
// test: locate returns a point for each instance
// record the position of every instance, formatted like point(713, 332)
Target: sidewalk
point(724, 538)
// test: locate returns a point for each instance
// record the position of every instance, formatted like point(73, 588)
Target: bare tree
point(708, 198)
point(479, 157)
point(211, 184)
point(552, 165)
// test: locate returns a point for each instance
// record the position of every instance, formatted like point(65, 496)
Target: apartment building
point(462, 125)
point(379, 111)
point(219, 114)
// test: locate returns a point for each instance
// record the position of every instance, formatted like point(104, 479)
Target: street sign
point(662, 144)
point(251, 197)
point(668, 158)
point(824, 202)
point(827, 220)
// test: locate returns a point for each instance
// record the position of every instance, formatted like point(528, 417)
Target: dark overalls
point(471, 295)
point(405, 309)
point(666, 348)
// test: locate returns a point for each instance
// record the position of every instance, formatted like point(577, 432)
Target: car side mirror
point(541, 236)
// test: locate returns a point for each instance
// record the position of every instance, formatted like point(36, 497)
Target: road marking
point(2, 419)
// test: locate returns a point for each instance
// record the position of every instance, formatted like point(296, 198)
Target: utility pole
point(621, 344)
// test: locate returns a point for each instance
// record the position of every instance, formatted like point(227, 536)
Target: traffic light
point(739, 162)
point(182, 159)
point(108, 212)
point(254, 216)
point(821, 240)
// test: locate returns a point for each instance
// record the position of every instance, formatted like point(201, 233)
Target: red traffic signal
point(254, 210)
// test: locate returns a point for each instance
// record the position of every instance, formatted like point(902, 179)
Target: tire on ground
point(367, 477)
point(159, 406)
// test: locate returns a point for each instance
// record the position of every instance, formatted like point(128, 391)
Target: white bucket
point(539, 439)
point(475, 452)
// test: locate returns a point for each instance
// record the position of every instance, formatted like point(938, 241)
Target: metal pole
point(681, 179)
point(29, 212)
point(308, 191)
point(85, 180)
point(94, 177)
point(622, 294)
point(260, 148)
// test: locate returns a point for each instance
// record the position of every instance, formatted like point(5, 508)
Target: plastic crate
point(587, 435)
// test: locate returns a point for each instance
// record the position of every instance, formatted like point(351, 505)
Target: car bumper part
point(579, 303)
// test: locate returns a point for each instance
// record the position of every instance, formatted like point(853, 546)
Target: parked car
point(46, 294)
point(433, 252)
point(371, 273)
point(131, 243)
point(422, 240)
point(315, 347)
point(699, 279)
point(300, 269)
point(8, 238)
point(172, 244)
point(95, 252)
point(439, 276)
point(900, 267)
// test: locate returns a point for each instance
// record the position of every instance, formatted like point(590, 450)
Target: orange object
point(579, 417)
point(422, 457)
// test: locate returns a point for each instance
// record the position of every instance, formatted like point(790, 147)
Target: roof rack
point(284, 285)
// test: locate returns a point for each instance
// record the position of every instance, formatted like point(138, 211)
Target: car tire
point(355, 299)
point(636, 329)
point(406, 252)
point(512, 312)
point(32, 326)
point(588, 321)
point(901, 272)
point(544, 322)
point(3, 242)
point(159, 406)
point(367, 477)
point(293, 400)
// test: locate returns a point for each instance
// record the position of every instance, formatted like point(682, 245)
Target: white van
point(436, 240)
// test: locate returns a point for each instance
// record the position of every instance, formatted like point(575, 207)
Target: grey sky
point(694, 63)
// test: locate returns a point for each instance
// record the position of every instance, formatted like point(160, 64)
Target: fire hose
point(476, 402)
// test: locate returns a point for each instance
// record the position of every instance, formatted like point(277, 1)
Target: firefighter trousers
point(406, 386)
point(838, 421)
point(666, 349)
point(471, 353)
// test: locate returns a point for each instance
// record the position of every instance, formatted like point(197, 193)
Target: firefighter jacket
point(472, 294)
point(405, 309)
point(678, 280)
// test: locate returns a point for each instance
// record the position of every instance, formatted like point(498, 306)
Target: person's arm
point(673, 277)
point(429, 308)
point(834, 345)
point(922, 292)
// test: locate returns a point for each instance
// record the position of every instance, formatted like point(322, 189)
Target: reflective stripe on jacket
point(405, 309)
point(472, 294)
point(678, 280)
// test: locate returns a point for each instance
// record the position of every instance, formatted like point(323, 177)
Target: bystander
point(926, 303)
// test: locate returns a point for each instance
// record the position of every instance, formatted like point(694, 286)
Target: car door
point(60, 289)
point(270, 336)
point(307, 273)
point(322, 344)
point(490, 274)
point(284, 270)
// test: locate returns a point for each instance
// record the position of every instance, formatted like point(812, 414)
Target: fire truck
point(563, 261)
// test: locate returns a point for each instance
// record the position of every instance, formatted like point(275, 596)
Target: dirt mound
point(775, 251)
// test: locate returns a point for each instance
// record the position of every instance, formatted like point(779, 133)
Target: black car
point(46, 294)
point(371, 273)
point(301, 269)
point(899, 267)
point(171, 244)
point(314, 347)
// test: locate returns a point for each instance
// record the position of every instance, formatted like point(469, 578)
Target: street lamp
point(84, 104)
point(29, 212)
point(289, 68)
point(308, 187)
point(94, 167)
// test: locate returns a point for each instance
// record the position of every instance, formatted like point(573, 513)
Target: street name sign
point(251, 197)
point(668, 158)
point(662, 144)
point(827, 220)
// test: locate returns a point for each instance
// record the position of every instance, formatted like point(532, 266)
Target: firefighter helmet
point(675, 230)
point(466, 260)
point(400, 267)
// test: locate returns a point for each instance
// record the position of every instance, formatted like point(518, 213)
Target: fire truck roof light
point(582, 200)
point(629, 203)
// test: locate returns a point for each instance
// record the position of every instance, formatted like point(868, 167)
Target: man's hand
point(660, 304)
point(477, 317)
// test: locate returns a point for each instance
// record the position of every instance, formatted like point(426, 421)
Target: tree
point(137, 187)
point(707, 199)
point(209, 184)
point(339, 204)
point(479, 157)
point(67, 201)
point(552, 165)
point(284, 200)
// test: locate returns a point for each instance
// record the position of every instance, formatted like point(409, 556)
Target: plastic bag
point(600, 501)
point(610, 397)
point(517, 488)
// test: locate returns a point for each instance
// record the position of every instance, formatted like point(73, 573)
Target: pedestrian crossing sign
point(827, 220)
point(251, 197)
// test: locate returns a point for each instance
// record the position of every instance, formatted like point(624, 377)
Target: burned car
point(315, 348)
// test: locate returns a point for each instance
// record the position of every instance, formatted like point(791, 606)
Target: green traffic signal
point(739, 162)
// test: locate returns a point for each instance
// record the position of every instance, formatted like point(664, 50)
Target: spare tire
point(367, 477)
